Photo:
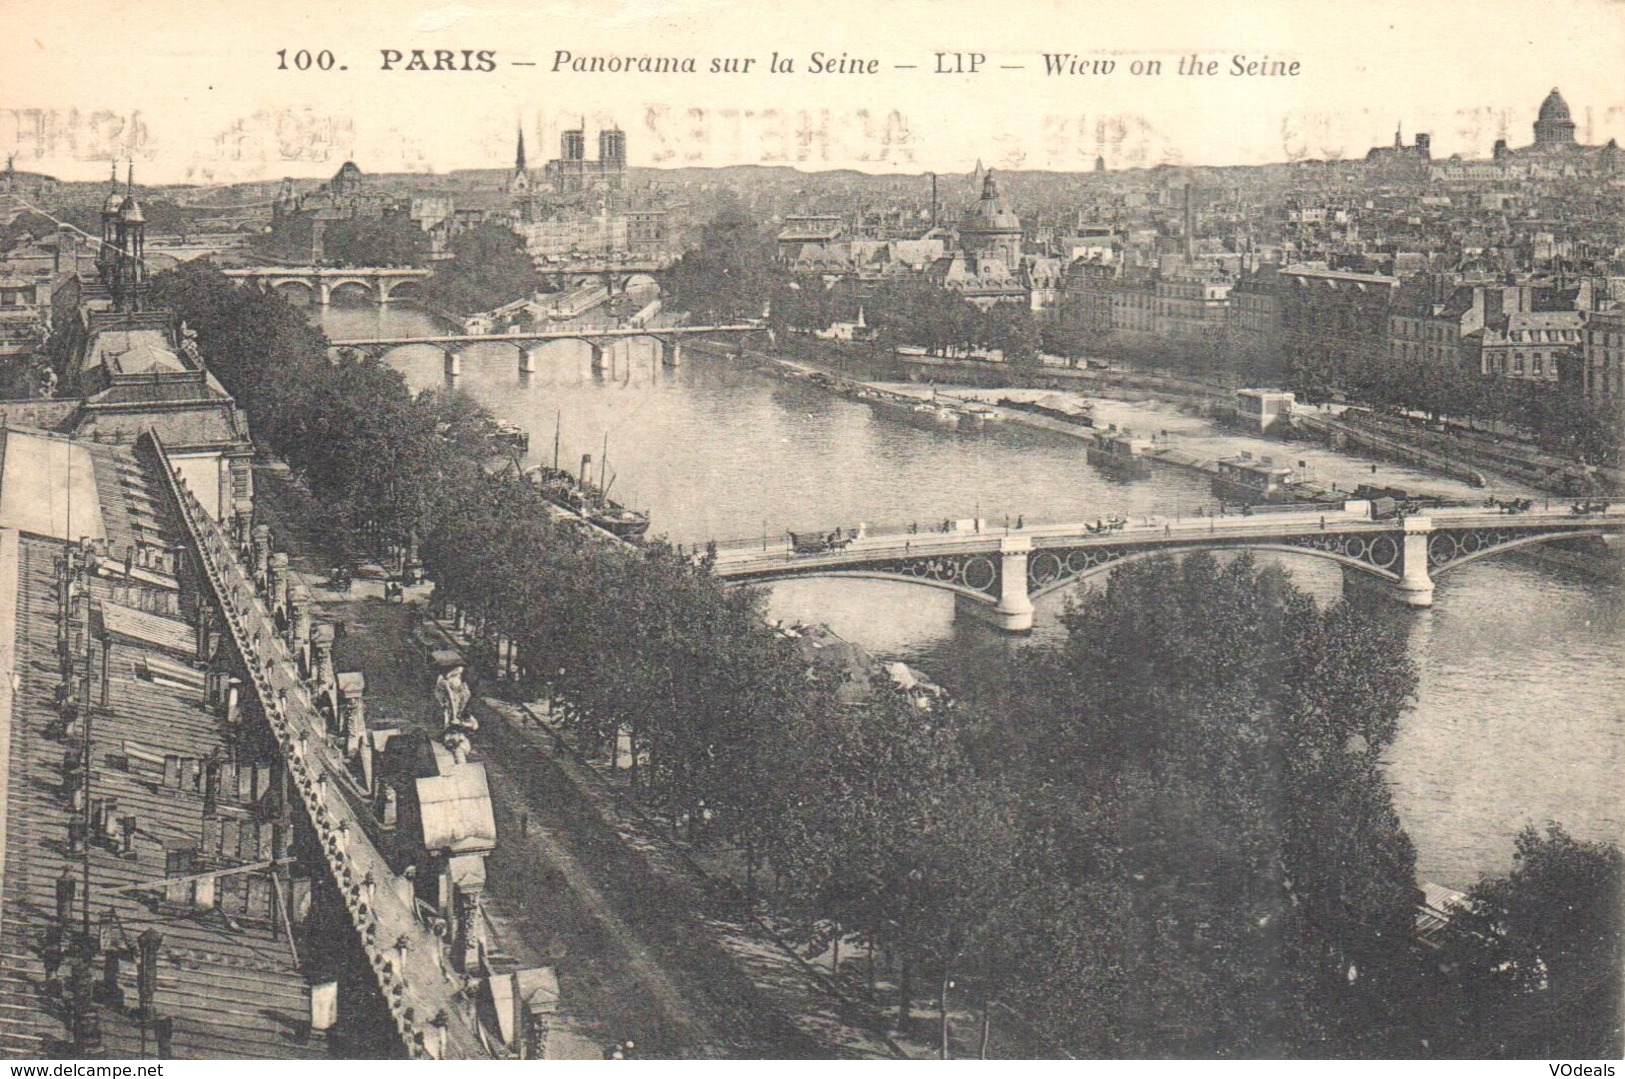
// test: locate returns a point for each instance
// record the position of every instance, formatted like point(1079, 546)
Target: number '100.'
point(303, 61)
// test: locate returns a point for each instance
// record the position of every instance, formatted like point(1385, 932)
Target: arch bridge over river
point(382, 284)
point(668, 341)
point(998, 574)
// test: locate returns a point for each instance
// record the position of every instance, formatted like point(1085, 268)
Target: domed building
point(989, 267)
point(1553, 127)
point(991, 229)
point(1555, 148)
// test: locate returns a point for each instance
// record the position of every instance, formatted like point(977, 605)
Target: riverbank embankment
point(1499, 465)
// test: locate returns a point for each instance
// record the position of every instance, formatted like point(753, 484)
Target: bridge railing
point(405, 957)
point(882, 543)
point(888, 530)
point(998, 523)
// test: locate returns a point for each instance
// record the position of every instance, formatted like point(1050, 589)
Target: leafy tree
point(488, 268)
point(1532, 964)
point(390, 240)
point(26, 226)
point(726, 276)
point(1203, 753)
point(1012, 331)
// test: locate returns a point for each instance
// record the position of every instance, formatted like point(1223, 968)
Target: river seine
point(1519, 711)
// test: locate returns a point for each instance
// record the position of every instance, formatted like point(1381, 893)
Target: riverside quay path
point(997, 572)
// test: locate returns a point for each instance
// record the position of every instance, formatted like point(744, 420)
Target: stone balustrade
point(432, 1015)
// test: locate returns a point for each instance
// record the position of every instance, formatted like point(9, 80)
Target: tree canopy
point(389, 240)
point(724, 277)
point(488, 268)
point(1532, 965)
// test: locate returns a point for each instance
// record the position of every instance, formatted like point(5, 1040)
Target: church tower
point(519, 190)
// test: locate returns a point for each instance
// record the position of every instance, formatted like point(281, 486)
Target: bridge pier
point(1415, 587)
point(454, 364)
point(671, 352)
point(527, 361)
point(324, 294)
point(597, 351)
point(1014, 612)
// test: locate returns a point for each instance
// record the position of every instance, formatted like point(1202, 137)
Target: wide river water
point(1520, 716)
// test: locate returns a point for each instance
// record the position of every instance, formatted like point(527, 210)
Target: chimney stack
point(324, 1004)
point(148, 945)
point(1190, 230)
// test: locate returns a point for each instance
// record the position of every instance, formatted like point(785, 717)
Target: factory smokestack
point(1190, 229)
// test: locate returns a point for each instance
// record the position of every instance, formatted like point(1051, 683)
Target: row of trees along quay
point(731, 274)
point(1169, 835)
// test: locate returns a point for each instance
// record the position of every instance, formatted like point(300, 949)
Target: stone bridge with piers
point(669, 339)
point(321, 282)
point(996, 575)
point(615, 274)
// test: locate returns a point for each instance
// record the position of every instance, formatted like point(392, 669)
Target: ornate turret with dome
point(129, 273)
point(107, 252)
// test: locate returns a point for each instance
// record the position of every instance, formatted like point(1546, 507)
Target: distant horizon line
point(790, 166)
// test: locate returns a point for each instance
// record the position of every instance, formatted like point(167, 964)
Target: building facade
point(1332, 321)
point(1603, 359)
point(132, 368)
point(572, 173)
point(1191, 307)
point(1531, 346)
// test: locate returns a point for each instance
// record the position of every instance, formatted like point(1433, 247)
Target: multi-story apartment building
point(1331, 320)
point(1431, 322)
point(1531, 345)
point(1134, 307)
point(1191, 307)
point(1255, 316)
point(1603, 361)
point(564, 238)
point(1086, 300)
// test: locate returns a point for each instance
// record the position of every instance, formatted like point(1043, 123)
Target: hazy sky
point(196, 86)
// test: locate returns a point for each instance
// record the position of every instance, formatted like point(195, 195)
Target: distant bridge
point(380, 282)
point(668, 338)
point(616, 274)
point(997, 574)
